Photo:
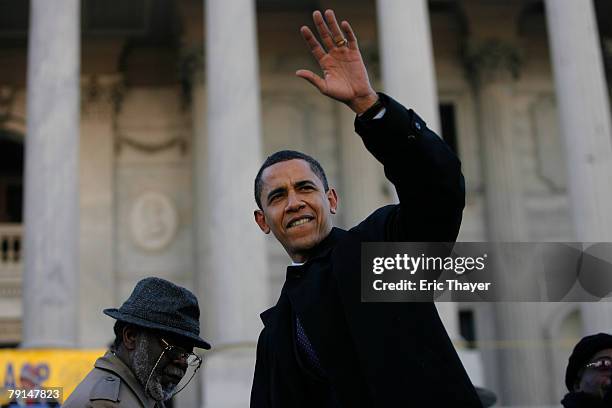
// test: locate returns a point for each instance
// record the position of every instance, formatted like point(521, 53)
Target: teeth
point(299, 222)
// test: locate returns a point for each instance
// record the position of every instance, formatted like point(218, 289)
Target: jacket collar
point(322, 249)
point(110, 362)
point(326, 245)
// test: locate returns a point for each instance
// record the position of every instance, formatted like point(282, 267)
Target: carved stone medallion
point(153, 221)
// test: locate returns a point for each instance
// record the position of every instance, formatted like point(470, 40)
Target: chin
point(303, 247)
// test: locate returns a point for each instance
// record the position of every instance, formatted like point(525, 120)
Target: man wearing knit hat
point(589, 372)
point(155, 333)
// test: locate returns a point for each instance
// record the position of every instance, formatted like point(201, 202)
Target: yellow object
point(38, 368)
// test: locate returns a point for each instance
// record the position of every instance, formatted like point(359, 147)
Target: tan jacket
point(111, 384)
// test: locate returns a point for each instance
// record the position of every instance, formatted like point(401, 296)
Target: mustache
point(174, 371)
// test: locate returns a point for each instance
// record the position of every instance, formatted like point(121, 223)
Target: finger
point(313, 78)
point(330, 18)
point(322, 29)
point(315, 48)
point(350, 35)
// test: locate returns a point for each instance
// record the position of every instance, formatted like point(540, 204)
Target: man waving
point(322, 347)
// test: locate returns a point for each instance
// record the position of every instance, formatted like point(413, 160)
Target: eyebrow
point(298, 184)
point(275, 192)
point(303, 183)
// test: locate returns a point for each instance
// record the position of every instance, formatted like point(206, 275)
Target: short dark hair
point(286, 155)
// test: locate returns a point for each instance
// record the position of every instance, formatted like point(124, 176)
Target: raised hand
point(345, 77)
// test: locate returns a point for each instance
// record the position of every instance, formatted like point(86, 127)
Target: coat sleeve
point(426, 175)
point(403, 346)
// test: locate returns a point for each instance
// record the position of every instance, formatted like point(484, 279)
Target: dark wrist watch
point(372, 110)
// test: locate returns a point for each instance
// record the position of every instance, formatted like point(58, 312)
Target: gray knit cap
point(158, 304)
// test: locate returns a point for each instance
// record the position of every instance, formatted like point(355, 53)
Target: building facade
point(130, 134)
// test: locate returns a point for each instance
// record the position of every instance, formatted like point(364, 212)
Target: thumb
point(313, 78)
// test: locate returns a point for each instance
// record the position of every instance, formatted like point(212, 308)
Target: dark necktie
point(306, 349)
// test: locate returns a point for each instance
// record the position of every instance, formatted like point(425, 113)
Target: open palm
point(345, 77)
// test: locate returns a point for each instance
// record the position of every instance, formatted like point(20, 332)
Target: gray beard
point(142, 364)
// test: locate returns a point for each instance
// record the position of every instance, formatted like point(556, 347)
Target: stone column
point(492, 66)
point(362, 175)
point(407, 65)
point(51, 274)
point(409, 75)
point(193, 394)
point(584, 116)
point(97, 227)
point(235, 280)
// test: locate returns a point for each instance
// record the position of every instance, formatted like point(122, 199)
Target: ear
point(332, 198)
point(260, 219)
point(129, 337)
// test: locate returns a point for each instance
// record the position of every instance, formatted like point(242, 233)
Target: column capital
point(491, 60)
point(101, 95)
point(191, 70)
point(191, 62)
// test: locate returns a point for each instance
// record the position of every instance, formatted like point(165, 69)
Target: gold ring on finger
point(342, 42)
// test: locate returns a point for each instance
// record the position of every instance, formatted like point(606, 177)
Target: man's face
point(295, 207)
point(596, 381)
point(165, 377)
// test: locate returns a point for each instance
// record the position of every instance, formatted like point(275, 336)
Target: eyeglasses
point(175, 352)
point(600, 365)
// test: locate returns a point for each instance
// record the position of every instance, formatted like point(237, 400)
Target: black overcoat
point(372, 354)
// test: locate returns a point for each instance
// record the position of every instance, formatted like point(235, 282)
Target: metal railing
point(10, 250)
point(10, 282)
point(10, 260)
